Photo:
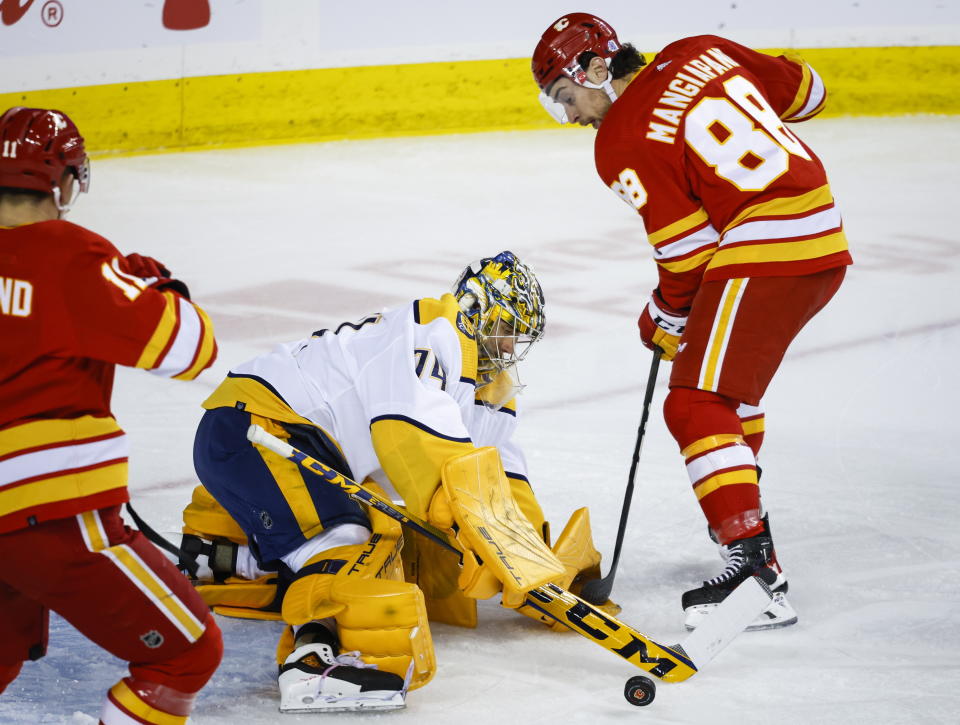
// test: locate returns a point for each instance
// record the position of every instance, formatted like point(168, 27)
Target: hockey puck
point(640, 691)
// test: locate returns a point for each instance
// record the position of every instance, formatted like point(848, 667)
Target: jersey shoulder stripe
point(428, 310)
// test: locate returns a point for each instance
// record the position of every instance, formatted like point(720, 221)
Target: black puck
point(640, 690)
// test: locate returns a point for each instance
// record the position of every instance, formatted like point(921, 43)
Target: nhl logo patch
point(152, 639)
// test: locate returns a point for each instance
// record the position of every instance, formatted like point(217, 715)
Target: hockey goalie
point(419, 402)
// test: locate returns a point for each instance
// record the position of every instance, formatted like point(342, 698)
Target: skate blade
point(345, 705)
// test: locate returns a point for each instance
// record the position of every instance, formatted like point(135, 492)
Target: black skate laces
point(735, 562)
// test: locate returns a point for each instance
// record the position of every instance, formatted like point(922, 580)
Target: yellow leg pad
point(492, 525)
point(206, 518)
point(387, 622)
point(435, 571)
point(575, 550)
point(236, 592)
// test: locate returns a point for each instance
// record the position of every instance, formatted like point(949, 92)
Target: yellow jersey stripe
point(710, 442)
point(678, 227)
point(794, 251)
point(153, 587)
point(747, 476)
point(802, 91)
point(64, 487)
point(161, 334)
point(39, 433)
point(752, 427)
point(122, 693)
point(206, 349)
point(814, 199)
point(685, 265)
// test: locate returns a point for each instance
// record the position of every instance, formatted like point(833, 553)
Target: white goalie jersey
point(396, 390)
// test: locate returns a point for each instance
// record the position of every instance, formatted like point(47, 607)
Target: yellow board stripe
point(254, 109)
point(64, 487)
point(158, 592)
point(801, 96)
point(161, 335)
point(781, 251)
point(722, 324)
point(814, 199)
point(206, 349)
point(46, 432)
point(122, 693)
point(678, 227)
point(730, 478)
point(711, 442)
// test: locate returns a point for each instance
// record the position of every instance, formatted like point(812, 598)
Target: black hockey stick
point(597, 591)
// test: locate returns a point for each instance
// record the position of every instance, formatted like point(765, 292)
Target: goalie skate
point(314, 679)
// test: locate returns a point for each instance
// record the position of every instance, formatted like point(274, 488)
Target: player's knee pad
point(8, 673)
point(693, 414)
point(377, 613)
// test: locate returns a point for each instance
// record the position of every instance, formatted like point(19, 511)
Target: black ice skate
point(745, 558)
point(315, 678)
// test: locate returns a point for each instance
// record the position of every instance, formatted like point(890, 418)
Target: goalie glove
point(501, 549)
point(661, 326)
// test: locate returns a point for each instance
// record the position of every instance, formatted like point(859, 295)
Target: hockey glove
point(155, 274)
point(661, 326)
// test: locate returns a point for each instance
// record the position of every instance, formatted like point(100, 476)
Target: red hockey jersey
point(698, 146)
point(70, 310)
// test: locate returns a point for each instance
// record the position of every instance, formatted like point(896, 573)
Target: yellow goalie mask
point(503, 299)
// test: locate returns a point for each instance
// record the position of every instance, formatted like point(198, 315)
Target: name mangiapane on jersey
point(685, 86)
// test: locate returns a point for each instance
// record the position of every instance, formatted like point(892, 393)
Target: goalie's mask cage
point(503, 299)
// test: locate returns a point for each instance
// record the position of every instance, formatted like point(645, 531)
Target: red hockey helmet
point(36, 147)
point(561, 46)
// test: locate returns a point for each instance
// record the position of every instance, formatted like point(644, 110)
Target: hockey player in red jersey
point(71, 308)
point(748, 243)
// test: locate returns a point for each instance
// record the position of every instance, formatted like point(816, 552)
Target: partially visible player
point(748, 243)
point(72, 307)
point(418, 400)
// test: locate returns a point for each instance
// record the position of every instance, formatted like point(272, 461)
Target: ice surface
point(861, 461)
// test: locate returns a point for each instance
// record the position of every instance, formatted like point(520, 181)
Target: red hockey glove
point(661, 326)
point(149, 268)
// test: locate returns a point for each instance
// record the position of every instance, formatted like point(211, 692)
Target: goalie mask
point(503, 299)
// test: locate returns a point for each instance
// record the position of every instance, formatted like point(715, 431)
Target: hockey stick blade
point(733, 615)
point(667, 663)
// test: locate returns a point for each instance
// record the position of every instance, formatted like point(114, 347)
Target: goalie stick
point(669, 663)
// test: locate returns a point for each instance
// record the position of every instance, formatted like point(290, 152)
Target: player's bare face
point(585, 106)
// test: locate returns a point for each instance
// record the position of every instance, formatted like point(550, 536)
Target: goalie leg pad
point(493, 527)
point(377, 612)
point(316, 677)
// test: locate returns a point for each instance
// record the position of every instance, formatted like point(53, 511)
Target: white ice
point(861, 461)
